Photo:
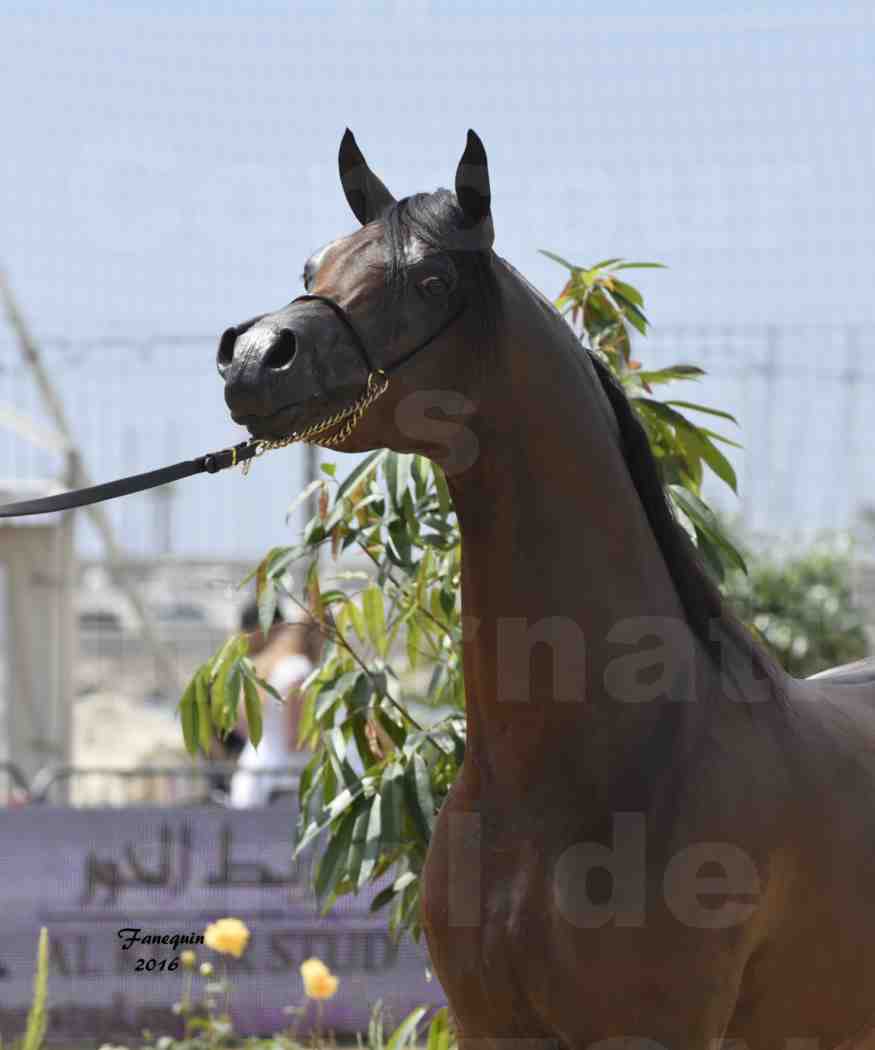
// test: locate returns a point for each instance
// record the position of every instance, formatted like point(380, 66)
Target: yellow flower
point(228, 936)
point(319, 982)
point(322, 986)
point(311, 967)
point(188, 959)
point(206, 969)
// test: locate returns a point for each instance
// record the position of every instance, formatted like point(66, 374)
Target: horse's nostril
point(282, 353)
point(226, 348)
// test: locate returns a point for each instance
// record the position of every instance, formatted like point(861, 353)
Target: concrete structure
point(37, 564)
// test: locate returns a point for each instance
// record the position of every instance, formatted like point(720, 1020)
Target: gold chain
point(377, 383)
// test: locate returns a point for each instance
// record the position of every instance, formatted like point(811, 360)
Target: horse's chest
point(483, 907)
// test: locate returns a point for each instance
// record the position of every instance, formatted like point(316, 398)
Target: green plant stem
point(227, 988)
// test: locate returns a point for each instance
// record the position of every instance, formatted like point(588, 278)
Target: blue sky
point(168, 167)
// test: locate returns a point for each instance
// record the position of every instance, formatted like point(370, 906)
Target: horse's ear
point(367, 196)
point(472, 185)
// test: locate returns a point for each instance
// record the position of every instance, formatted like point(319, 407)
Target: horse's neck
point(556, 547)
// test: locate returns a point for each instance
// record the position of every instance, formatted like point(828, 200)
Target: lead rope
point(378, 383)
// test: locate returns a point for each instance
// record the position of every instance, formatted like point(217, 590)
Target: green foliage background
point(802, 606)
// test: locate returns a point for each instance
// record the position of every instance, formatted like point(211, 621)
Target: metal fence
point(158, 785)
point(801, 394)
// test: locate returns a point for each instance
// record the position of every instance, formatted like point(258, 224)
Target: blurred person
point(283, 659)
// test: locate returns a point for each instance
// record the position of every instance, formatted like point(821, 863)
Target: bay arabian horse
point(657, 838)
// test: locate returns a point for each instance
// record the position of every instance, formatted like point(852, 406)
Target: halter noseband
point(378, 381)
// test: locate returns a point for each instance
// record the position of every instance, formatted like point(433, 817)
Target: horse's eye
point(433, 287)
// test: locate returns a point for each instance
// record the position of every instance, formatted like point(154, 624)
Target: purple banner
point(88, 874)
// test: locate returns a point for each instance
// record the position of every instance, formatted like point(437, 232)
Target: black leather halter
point(213, 462)
point(359, 344)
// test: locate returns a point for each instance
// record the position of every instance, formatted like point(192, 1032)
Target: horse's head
point(388, 323)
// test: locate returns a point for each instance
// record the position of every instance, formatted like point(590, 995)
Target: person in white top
point(283, 659)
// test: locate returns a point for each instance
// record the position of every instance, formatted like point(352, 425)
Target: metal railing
point(144, 785)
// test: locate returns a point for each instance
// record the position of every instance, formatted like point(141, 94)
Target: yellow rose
point(312, 967)
point(188, 959)
point(206, 969)
point(228, 936)
point(320, 986)
point(319, 982)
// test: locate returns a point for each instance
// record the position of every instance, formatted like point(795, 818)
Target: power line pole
point(114, 553)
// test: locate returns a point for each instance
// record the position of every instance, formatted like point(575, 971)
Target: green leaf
point(400, 538)
point(560, 260)
point(357, 848)
point(719, 437)
point(419, 796)
point(334, 691)
point(702, 517)
point(357, 621)
point(328, 468)
point(231, 697)
point(217, 694)
point(249, 669)
point(380, 901)
point(667, 375)
point(628, 291)
point(699, 512)
point(703, 408)
point(337, 756)
point(375, 1027)
point(603, 264)
point(341, 803)
point(311, 832)
point(253, 711)
point(443, 492)
point(368, 464)
point(628, 310)
point(188, 716)
point(372, 842)
point(267, 598)
point(698, 445)
point(729, 552)
point(372, 601)
point(419, 471)
point(333, 861)
point(303, 496)
point(405, 1033)
point(204, 722)
point(412, 642)
point(641, 266)
point(439, 1031)
point(690, 435)
point(392, 796)
point(717, 462)
point(395, 732)
point(397, 468)
point(710, 555)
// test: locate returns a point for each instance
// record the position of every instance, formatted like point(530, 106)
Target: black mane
point(708, 613)
point(437, 220)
